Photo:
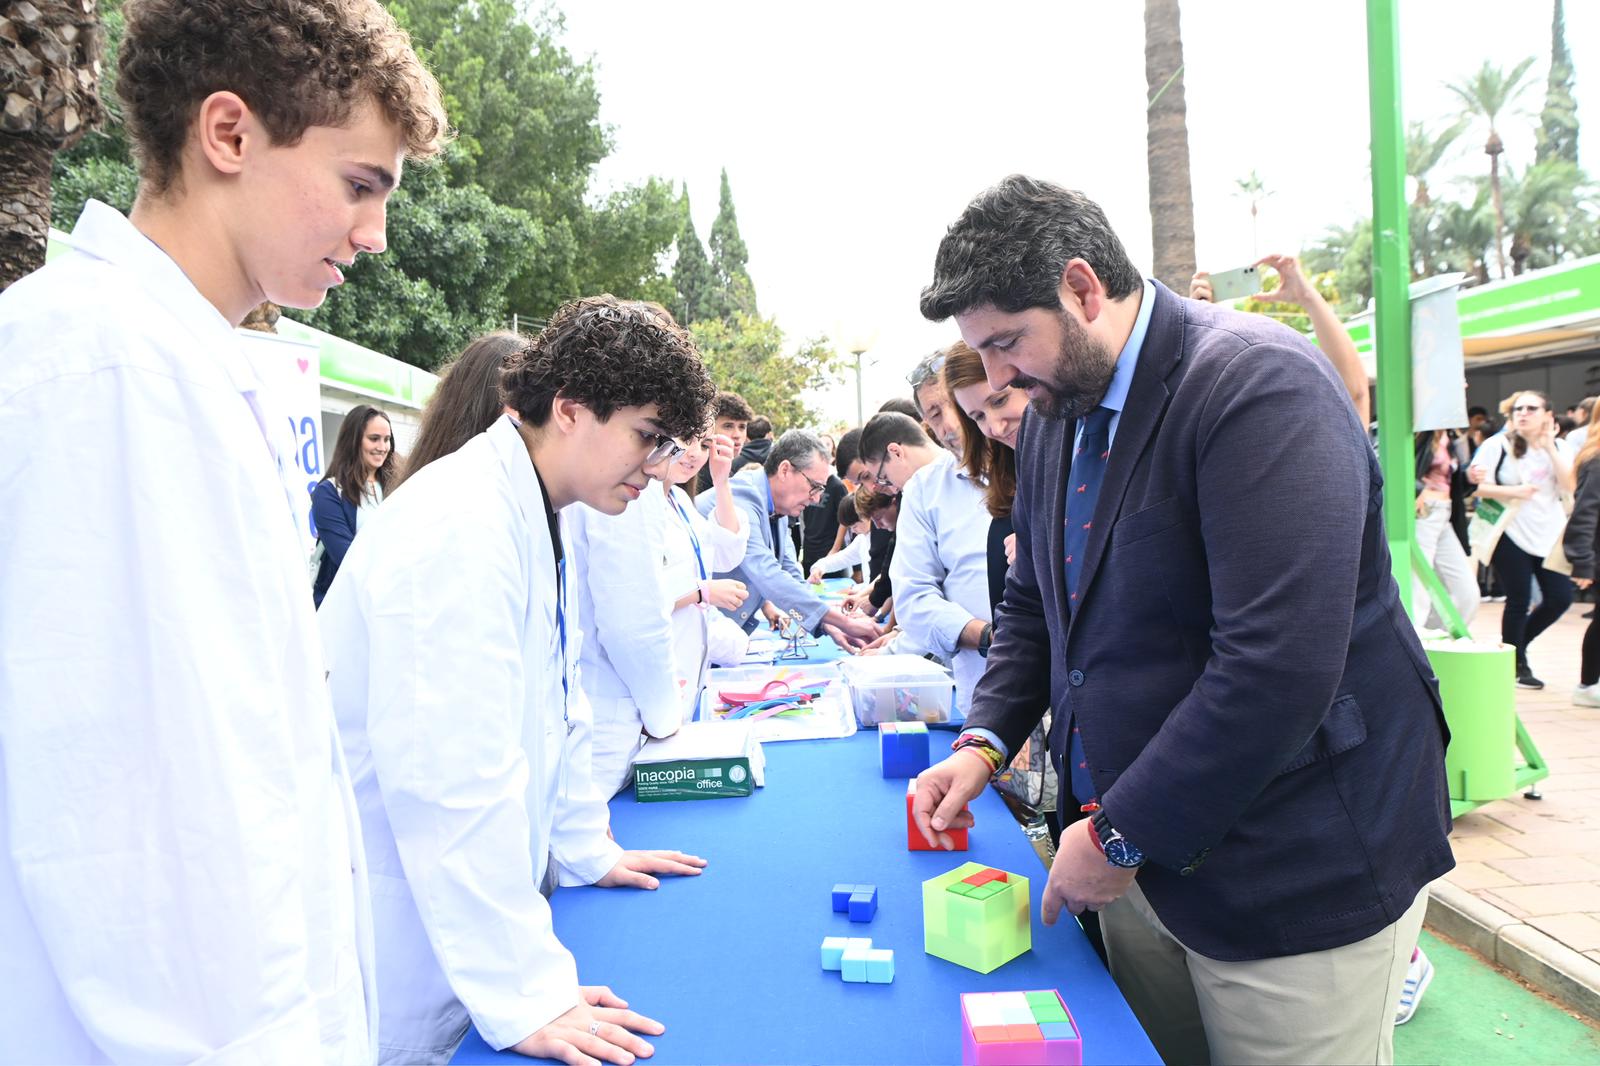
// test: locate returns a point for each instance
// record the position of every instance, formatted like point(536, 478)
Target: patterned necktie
point(1083, 489)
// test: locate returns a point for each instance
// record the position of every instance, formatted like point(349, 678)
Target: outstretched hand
point(633, 870)
point(599, 1029)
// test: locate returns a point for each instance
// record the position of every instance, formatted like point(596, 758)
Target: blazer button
point(1186, 871)
point(1075, 678)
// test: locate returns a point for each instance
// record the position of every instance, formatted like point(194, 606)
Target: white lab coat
point(940, 568)
point(693, 638)
point(177, 832)
point(446, 667)
point(628, 670)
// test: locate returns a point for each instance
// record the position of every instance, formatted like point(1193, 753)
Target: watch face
point(1122, 853)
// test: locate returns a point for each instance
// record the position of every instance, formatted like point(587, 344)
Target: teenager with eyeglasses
point(1528, 468)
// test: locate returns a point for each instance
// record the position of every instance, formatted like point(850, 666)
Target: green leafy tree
point(625, 239)
point(1558, 122)
point(692, 279)
point(1485, 95)
point(1345, 252)
point(746, 354)
point(1425, 150)
point(1550, 212)
point(735, 293)
point(1464, 232)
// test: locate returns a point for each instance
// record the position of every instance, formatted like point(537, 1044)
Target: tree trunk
point(1494, 149)
point(1167, 148)
point(24, 206)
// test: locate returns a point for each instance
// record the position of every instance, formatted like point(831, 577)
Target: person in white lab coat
point(452, 644)
point(694, 548)
point(181, 875)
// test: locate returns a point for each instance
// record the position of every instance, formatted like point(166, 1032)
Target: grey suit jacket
point(769, 574)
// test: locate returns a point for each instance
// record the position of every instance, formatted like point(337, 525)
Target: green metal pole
point(1391, 281)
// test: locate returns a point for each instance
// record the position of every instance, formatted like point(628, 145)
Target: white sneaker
point(1418, 976)
point(1586, 696)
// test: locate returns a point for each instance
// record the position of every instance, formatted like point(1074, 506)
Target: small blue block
point(1058, 1031)
point(880, 966)
point(903, 752)
point(863, 903)
point(853, 964)
point(833, 948)
point(841, 897)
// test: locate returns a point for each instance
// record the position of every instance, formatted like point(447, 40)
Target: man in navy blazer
point(1242, 705)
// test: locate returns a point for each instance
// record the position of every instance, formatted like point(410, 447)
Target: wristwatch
point(985, 639)
point(1118, 848)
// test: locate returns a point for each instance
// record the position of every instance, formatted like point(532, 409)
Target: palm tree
point(1256, 189)
point(49, 77)
point(1546, 214)
point(1464, 232)
point(1167, 147)
point(1485, 95)
point(1425, 150)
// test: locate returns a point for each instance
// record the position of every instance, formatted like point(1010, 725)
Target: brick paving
point(1539, 860)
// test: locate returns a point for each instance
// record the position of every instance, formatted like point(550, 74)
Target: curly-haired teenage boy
point(452, 646)
point(180, 876)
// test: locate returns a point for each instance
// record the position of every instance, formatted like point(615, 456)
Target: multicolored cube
point(903, 748)
point(915, 841)
point(976, 916)
point(1018, 1029)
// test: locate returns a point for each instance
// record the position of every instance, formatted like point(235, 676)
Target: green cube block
point(961, 888)
point(981, 930)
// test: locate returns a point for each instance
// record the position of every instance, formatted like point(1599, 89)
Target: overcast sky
point(853, 133)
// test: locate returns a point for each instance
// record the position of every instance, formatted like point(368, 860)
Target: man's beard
point(1078, 381)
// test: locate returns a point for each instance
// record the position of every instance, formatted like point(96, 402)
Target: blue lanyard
point(561, 629)
point(694, 541)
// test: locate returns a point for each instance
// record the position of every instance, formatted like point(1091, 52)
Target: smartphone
point(1235, 284)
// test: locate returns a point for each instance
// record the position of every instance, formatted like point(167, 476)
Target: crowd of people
point(251, 812)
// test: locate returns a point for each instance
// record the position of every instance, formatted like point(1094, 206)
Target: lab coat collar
point(105, 233)
point(525, 484)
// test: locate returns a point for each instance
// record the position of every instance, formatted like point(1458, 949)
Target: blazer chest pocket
point(1343, 728)
point(1147, 522)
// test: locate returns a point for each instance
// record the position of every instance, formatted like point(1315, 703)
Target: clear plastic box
point(899, 688)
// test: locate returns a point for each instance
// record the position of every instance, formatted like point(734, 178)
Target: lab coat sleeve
point(445, 721)
point(621, 562)
point(149, 775)
point(579, 846)
point(928, 618)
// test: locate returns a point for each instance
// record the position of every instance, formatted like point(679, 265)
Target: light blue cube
point(880, 966)
point(832, 952)
point(853, 964)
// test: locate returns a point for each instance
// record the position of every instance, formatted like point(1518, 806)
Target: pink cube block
point(993, 1034)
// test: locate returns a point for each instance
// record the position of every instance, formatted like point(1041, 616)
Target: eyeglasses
point(878, 477)
point(666, 450)
point(817, 487)
point(926, 369)
point(1526, 408)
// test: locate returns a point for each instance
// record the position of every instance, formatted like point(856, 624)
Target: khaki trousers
point(1334, 1006)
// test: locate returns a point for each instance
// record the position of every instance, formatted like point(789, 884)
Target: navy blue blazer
point(335, 521)
point(1254, 705)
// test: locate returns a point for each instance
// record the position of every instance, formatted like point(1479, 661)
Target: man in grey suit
point(769, 495)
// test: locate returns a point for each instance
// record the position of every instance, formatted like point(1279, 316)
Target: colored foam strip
point(990, 1034)
point(1021, 1034)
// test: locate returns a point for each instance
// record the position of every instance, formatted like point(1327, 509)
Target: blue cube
point(841, 897)
point(863, 903)
point(903, 748)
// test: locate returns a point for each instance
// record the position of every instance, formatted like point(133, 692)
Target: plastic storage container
point(899, 688)
point(1477, 683)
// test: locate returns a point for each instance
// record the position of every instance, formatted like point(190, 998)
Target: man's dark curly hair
point(296, 63)
point(732, 405)
point(1009, 247)
point(608, 354)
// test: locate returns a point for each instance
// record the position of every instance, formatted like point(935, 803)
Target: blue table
point(728, 961)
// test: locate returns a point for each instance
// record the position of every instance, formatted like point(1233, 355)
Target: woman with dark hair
point(361, 472)
point(1581, 540)
point(1529, 468)
point(467, 400)
point(989, 422)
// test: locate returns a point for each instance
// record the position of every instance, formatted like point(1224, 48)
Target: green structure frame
point(1391, 329)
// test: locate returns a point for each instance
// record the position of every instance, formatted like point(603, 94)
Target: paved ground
point(1539, 860)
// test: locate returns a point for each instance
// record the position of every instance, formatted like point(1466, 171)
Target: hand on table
point(774, 617)
point(1081, 879)
point(600, 1029)
point(852, 632)
point(881, 645)
point(943, 790)
point(633, 870)
point(721, 461)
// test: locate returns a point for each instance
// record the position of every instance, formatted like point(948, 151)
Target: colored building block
point(914, 838)
point(832, 952)
point(981, 928)
point(863, 903)
point(853, 963)
point(903, 748)
point(841, 897)
point(987, 1041)
point(880, 966)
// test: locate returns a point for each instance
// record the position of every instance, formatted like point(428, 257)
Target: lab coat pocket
point(418, 1013)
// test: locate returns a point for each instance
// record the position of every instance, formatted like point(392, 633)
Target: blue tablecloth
point(728, 961)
